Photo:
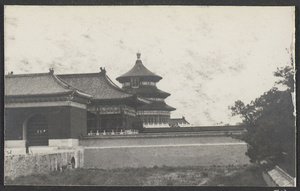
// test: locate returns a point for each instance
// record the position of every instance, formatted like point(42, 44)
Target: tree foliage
point(270, 122)
point(287, 77)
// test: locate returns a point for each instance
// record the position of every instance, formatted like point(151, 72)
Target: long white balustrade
point(156, 125)
point(164, 125)
point(184, 125)
point(126, 132)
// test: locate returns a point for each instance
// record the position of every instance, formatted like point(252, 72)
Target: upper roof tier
point(139, 70)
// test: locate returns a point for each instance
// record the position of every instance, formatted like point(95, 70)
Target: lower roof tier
point(148, 92)
point(157, 105)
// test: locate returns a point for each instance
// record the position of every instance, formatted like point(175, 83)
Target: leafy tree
point(287, 75)
point(270, 123)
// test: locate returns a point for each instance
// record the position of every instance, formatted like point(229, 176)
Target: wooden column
point(123, 120)
point(98, 118)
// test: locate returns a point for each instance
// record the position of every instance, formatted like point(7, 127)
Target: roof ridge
point(26, 75)
point(77, 74)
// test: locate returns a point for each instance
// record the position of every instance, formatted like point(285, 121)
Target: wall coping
point(48, 151)
point(158, 135)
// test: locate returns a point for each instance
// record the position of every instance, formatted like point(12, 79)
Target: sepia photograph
point(149, 96)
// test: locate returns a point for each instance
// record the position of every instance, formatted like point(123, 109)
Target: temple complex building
point(142, 82)
point(51, 110)
point(46, 109)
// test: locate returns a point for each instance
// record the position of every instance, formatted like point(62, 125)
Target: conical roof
point(139, 70)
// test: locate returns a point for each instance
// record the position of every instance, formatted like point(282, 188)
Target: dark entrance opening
point(92, 124)
point(37, 131)
point(73, 162)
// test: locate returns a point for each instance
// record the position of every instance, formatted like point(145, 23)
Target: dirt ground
point(245, 175)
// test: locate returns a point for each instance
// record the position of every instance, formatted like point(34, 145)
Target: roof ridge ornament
point(102, 70)
point(51, 70)
point(138, 54)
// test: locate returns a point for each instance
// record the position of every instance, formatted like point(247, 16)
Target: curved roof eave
point(99, 85)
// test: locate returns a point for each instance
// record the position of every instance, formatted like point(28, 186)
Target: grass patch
point(246, 176)
point(156, 176)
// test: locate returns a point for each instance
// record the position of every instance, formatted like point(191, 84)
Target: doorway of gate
point(37, 131)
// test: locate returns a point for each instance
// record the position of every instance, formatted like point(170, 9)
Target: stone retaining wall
point(25, 164)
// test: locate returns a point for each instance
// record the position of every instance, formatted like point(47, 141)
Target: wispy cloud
point(206, 55)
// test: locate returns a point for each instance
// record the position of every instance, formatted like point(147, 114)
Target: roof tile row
point(96, 85)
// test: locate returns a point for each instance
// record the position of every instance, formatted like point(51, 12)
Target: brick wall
point(118, 152)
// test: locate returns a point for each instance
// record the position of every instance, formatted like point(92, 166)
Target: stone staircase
point(281, 178)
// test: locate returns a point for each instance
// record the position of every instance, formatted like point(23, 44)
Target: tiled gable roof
point(96, 84)
point(35, 84)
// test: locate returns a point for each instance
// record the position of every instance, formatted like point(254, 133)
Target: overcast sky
point(209, 57)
